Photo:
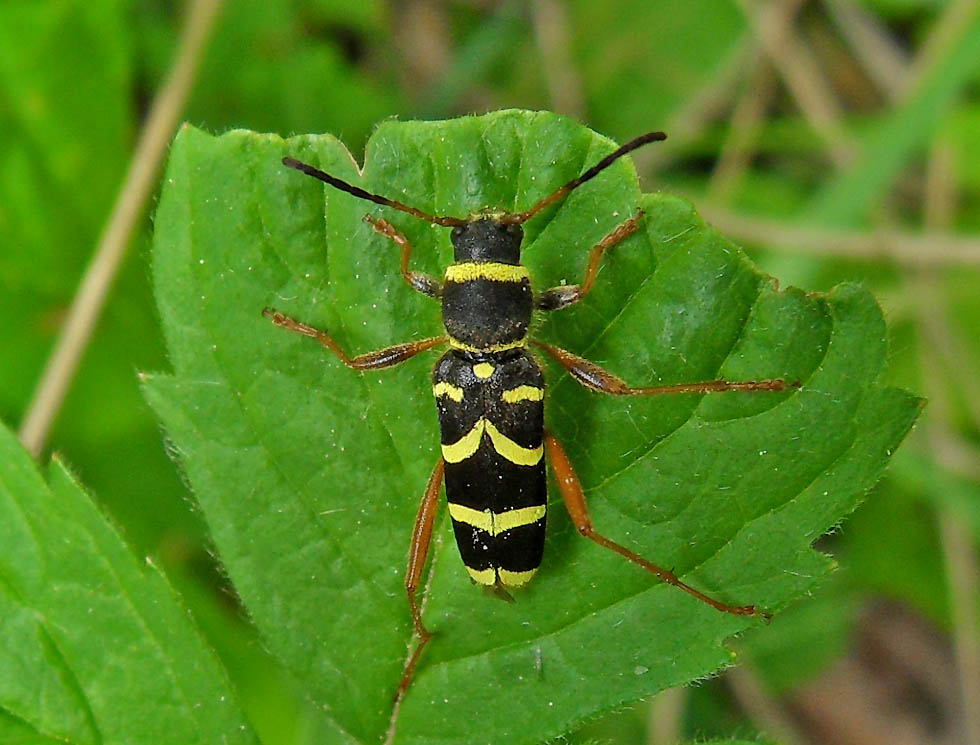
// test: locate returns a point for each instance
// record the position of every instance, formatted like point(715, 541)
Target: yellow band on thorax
point(490, 270)
point(492, 349)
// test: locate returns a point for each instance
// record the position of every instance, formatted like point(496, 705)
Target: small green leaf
point(94, 646)
point(310, 474)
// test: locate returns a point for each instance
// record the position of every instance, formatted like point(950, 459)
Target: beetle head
point(485, 238)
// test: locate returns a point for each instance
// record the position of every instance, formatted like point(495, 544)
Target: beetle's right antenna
point(562, 192)
point(449, 222)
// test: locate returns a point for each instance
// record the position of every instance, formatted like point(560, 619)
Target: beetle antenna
point(449, 222)
point(562, 192)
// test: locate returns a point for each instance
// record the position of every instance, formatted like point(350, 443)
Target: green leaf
point(95, 648)
point(309, 474)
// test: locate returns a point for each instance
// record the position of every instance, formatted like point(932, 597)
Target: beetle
point(489, 391)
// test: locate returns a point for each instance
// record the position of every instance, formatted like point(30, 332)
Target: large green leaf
point(94, 646)
point(309, 474)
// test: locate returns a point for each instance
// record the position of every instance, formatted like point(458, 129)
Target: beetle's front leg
point(418, 281)
point(380, 358)
point(564, 295)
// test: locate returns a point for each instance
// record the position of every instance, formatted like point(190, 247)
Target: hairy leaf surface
point(309, 474)
point(94, 645)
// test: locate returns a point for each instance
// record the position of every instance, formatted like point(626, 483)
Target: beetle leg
point(424, 283)
point(380, 358)
point(419, 552)
point(565, 295)
point(593, 376)
point(574, 499)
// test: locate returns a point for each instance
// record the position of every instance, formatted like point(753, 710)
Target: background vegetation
point(834, 140)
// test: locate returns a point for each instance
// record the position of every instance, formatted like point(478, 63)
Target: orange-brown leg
point(424, 283)
point(592, 376)
point(387, 357)
point(417, 555)
point(574, 499)
point(565, 295)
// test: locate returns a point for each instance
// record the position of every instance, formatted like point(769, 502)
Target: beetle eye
point(456, 232)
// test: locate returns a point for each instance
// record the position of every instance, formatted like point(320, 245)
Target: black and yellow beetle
point(489, 391)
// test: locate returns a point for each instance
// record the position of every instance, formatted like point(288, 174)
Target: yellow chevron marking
point(496, 523)
point(448, 390)
point(486, 213)
point(466, 445)
point(483, 576)
point(513, 452)
point(481, 519)
point(491, 270)
point(515, 579)
point(457, 344)
point(522, 393)
point(483, 370)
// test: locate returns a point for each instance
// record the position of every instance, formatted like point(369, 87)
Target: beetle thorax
point(487, 298)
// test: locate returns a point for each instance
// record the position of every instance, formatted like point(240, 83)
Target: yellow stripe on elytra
point(457, 344)
point(518, 518)
point(483, 370)
point(515, 579)
point(513, 452)
point(481, 519)
point(496, 523)
point(490, 270)
point(448, 390)
point(468, 444)
point(522, 393)
point(483, 576)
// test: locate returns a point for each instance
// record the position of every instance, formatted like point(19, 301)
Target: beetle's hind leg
point(574, 499)
point(593, 376)
point(417, 555)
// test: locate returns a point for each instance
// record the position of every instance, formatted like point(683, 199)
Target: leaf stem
point(962, 577)
point(809, 87)
point(932, 248)
point(90, 297)
point(552, 31)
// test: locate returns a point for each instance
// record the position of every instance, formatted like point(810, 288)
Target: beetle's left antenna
point(562, 191)
point(449, 222)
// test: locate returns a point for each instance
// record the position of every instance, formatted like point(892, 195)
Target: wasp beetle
point(489, 390)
